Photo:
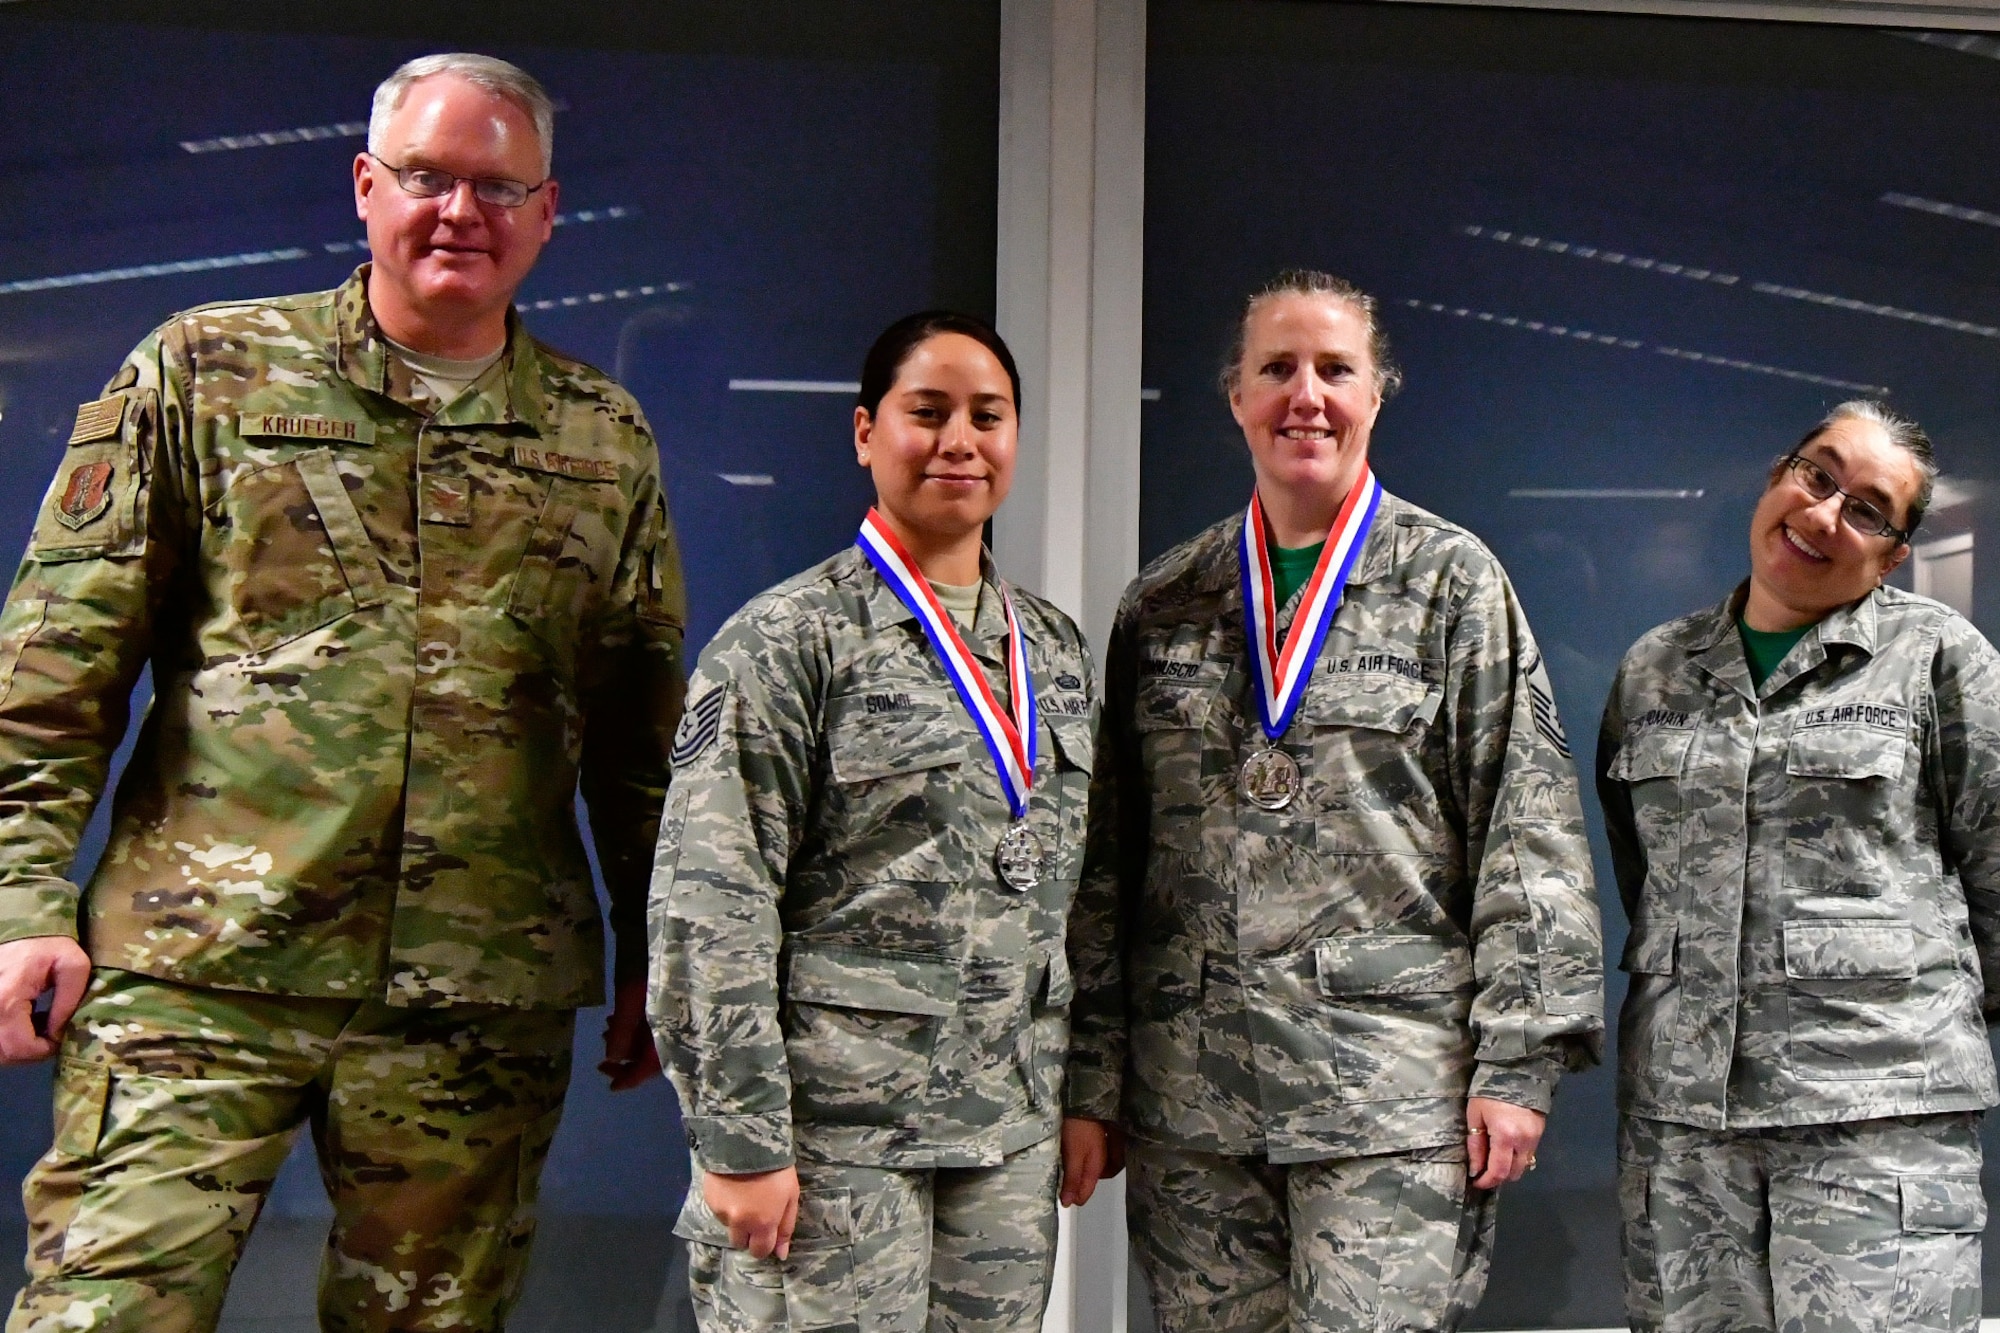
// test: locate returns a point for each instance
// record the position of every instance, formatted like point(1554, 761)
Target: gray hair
point(489, 72)
point(1904, 433)
point(1312, 282)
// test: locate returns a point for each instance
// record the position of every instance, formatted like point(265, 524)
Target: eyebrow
point(1871, 492)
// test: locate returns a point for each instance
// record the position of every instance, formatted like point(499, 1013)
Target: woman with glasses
point(1802, 792)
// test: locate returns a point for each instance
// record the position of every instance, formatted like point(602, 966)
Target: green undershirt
point(1290, 568)
point(1767, 648)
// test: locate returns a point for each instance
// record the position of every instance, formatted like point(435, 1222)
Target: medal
point(1270, 779)
point(1280, 673)
point(1009, 739)
point(1019, 858)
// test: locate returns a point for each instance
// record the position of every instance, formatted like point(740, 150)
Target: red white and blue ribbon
point(1280, 673)
point(1011, 740)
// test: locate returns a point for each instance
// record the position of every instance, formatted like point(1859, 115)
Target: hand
point(1500, 1140)
point(630, 1058)
point(1092, 1150)
point(27, 968)
point(759, 1209)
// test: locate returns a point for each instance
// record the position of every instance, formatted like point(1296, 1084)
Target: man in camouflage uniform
point(1314, 1020)
point(401, 574)
point(846, 981)
point(1807, 841)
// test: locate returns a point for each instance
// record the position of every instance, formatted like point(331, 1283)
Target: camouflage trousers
point(1845, 1228)
point(175, 1106)
point(950, 1250)
point(1242, 1245)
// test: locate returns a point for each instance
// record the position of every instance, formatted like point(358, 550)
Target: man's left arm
point(1538, 1007)
point(631, 711)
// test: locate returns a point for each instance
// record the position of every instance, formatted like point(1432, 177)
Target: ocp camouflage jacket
point(385, 639)
point(1336, 977)
point(838, 970)
point(1811, 868)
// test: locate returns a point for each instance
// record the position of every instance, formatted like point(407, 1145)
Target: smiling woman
point(1797, 791)
point(887, 996)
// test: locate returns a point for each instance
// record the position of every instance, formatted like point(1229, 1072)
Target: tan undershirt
point(444, 377)
point(961, 599)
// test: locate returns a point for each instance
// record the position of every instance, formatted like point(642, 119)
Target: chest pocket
point(1847, 804)
point(1068, 792)
point(1365, 778)
point(568, 563)
point(897, 760)
point(1170, 717)
point(292, 551)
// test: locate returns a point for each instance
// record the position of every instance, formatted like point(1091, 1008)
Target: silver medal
point(1019, 858)
point(1270, 779)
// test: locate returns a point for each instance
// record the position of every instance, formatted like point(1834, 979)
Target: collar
point(363, 355)
point(1710, 637)
point(1377, 558)
point(989, 628)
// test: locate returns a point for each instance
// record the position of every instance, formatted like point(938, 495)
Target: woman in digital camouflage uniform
point(1802, 791)
point(1337, 938)
point(870, 846)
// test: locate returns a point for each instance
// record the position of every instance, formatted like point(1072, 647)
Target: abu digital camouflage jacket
point(1811, 868)
point(385, 640)
point(838, 969)
point(1419, 925)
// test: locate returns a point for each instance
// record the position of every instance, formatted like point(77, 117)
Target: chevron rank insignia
point(99, 420)
point(699, 727)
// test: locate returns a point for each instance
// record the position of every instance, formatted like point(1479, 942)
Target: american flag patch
point(99, 420)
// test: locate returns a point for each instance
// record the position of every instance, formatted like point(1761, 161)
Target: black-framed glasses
point(1856, 512)
point(432, 183)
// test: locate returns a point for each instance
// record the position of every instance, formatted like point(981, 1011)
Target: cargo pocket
point(1369, 725)
point(1849, 992)
point(1393, 1009)
point(293, 553)
point(860, 1028)
point(812, 1288)
point(83, 1088)
point(1937, 1265)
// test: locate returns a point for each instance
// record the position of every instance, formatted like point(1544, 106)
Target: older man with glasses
point(1802, 792)
point(403, 575)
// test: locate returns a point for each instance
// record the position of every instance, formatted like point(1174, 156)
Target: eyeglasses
point(431, 183)
point(1857, 513)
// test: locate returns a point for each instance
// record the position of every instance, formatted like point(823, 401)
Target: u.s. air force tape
point(700, 725)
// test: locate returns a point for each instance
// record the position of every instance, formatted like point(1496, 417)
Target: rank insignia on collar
point(99, 420)
point(85, 496)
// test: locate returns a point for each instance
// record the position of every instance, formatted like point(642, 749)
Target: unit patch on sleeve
point(85, 496)
point(100, 420)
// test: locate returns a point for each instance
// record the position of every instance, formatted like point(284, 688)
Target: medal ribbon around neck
point(1010, 740)
point(1281, 674)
